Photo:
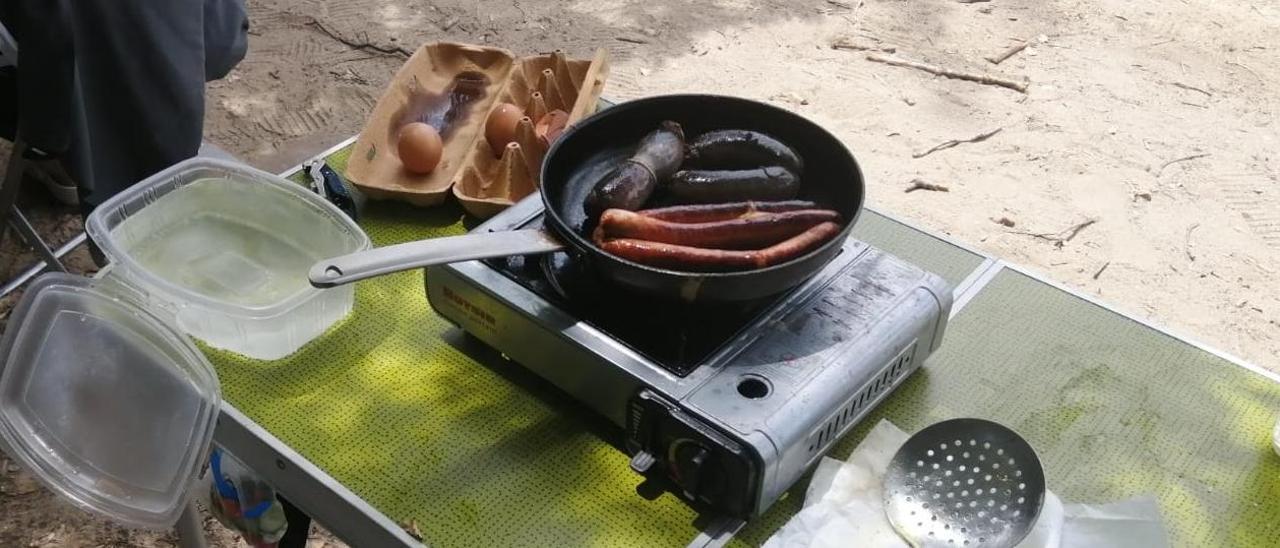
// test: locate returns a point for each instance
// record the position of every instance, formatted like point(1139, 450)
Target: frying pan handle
point(407, 256)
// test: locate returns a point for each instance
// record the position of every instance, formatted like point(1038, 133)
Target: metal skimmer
point(964, 482)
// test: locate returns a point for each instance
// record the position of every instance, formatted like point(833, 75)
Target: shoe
point(62, 189)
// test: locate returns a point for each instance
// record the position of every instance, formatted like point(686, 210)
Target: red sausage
point(695, 259)
point(752, 231)
point(703, 213)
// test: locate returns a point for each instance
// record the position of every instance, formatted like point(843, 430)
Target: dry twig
point(394, 51)
point(350, 75)
point(1246, 67)
point(846, 43)
point(958, 75)
point(631, 40)
point(1060, 239)
point(1100, 270)
point(971, 1)
point(1182, 159)
point(1192, 88)
point(955, 142)
point(1186, 244)
point(997, 59)
point(920, 184)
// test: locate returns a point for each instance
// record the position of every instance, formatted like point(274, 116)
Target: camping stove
point(724, 406)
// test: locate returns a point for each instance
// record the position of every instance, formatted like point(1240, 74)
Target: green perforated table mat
point(1114, 408)
point(429, 426)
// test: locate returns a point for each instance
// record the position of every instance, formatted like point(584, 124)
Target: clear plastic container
point(105, 402)
point(227, 249)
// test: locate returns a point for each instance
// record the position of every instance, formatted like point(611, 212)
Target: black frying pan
point(591, 148)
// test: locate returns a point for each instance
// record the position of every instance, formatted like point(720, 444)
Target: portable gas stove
point(724, 406)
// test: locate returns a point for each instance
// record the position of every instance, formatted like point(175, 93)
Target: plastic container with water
point(104, 396)
point(227, 249)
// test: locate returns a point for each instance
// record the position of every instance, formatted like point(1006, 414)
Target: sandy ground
point(1153, 119)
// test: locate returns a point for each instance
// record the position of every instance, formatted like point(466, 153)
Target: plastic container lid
point(106, 403)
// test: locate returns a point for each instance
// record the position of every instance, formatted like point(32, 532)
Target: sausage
point(762, 183)
point(695, 259)
point(747, 232)
point(741, 149)
point(702, 213)
point(629, 185)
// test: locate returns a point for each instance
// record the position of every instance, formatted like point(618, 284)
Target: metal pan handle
point(407, 256)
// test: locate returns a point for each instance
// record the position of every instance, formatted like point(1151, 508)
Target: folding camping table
point(397, 418)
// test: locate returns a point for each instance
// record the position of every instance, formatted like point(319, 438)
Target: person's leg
point(299, 526)
point(8, 103)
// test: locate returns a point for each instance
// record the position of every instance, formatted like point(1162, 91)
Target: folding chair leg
point(28, 234)
point(11, 183)
point(190, 532)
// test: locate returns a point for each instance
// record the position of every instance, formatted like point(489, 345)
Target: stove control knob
point(642, 461)
point(690, 462)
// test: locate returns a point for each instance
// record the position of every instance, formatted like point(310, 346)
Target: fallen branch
point(1182, 159)
point(1192, 88)
point(394, 51)
point(956, 142)
point(996, 60)
point(631, 40)
point(1186, 244)
point(1059, 239)
point(1101, 270)
point(971, 1)
point(848, 44)
point(919, 184)
point(972, 77)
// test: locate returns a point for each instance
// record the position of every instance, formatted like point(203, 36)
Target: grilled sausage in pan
point(696, 259)
point(753, 231)
point(629, 185)
point(702, 213)
point(739, 149)
point(705, 187)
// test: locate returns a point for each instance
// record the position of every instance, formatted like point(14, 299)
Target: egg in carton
point(454, 88)
point(448, 86)
point(545, 95)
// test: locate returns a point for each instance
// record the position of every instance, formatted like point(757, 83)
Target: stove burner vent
point(857, 406)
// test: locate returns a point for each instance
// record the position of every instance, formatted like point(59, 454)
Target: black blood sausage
point(629, 185)
point(738, 149)
point(771, 183)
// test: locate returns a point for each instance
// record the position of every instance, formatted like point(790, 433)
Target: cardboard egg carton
point(484, 181)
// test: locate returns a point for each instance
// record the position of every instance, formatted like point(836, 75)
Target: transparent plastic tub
point(226, 248)
point(105, 402)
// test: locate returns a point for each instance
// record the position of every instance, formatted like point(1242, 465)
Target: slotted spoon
point(964, 482)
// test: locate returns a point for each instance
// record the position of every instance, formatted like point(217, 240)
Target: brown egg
point(551, 126)
point(420, 147)
point(500, 128)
